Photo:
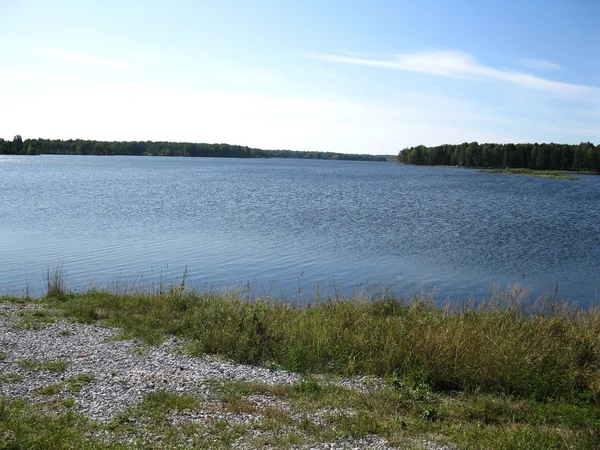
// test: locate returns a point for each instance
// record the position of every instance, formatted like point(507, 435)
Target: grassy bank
point(542, 350)
point(503, 374)
point(532, 173)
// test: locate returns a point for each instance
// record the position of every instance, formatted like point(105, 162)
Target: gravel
point(125, 371)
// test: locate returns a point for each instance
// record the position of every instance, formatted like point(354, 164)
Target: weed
point(56, 282)
point(75, 384)
point(238, 404)
point(532, 173)
point(68, 403)
point(50, 366)
point(310, 387)
point(140, 350)
point(51, 389)
point(34, 320)
point(10, 378)
point(157, 404)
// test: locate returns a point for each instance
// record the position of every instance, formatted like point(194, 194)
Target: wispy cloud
point(538, 63)
point(145, 56)
point(9, 75)
point(459, 64)
point(85, 58)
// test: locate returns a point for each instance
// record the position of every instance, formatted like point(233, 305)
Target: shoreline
point(176, 369)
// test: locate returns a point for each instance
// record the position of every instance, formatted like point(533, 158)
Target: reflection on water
point(285, 225)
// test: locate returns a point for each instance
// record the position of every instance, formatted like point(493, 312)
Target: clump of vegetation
point(56, 282)
point(10, 378)
point(532, 173)
point(58, 366)
point(34, 320)
point(51, 389)
point(155, 406)
point(23, 425)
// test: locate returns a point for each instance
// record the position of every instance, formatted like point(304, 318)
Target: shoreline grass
point(505, 373)
point(559, 175)
point(548, 349)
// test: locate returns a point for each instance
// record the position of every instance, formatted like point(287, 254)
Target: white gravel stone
point(126, 370)
point(123, 375)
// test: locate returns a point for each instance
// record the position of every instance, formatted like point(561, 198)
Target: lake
point(285, 226)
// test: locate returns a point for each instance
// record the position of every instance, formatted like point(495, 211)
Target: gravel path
point(125, 370)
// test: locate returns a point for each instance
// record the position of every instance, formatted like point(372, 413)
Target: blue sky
point(356, 77)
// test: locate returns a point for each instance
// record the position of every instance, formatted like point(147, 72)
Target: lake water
point(285, 226)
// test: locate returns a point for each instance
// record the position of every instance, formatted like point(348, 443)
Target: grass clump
point(10, 378)
point(532, 173)
point(51, 389)
point(34, 320)
point(56, 282)
point(156, 406)
point(71, 385)
point(23, 425)
point(57, 366)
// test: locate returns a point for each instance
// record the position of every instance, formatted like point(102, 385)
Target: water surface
point(283, 226)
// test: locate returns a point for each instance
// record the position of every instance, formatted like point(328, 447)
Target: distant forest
point(19, 146)
point(582, 157)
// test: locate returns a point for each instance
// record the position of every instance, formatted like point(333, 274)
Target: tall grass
point(56, 281)
point(546, 350)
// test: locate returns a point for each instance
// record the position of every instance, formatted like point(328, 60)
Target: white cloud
point(151, 113)
point(84, 58)
point(462, 65)
point(108, 109)
point(539, 63)
point(145, 56)
point(9, 75)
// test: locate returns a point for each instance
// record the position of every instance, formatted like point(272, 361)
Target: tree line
point(20, 146)
point(580, 157)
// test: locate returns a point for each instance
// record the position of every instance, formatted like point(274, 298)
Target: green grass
point(27, 426)
point(34, 320)
point(58, 366)
point(548, 350)
point(157, 405)
point(51, 389)
point(403, 413)
point(532, 173)
point(10, 378)
point(506, 373)
point(71, 385)
point(56, 282)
